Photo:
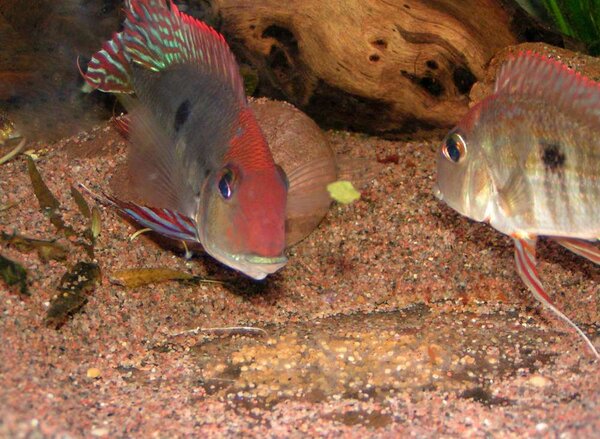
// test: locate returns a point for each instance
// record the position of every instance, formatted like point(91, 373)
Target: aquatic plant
point(579, 19)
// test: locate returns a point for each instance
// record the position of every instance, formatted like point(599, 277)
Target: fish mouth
point(254, 266)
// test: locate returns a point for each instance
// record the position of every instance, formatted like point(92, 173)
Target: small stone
point(99, 431)
point(93, 372)
point(538, 381)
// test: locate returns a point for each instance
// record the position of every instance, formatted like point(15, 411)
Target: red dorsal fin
point(538, 76)
point(108, 70)
point(157, 35)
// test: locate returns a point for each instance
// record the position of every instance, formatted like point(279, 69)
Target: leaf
point(47, 200)
point(47, 250)
point(135, 277)
point(14, 274)
point(96, 222)
point(82, 205)
point(72, 290)
point(13, 153)
point(343, 192)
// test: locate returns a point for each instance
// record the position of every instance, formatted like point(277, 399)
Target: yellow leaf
point(343, 192)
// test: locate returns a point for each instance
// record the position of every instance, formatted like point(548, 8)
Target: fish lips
point(254, 266)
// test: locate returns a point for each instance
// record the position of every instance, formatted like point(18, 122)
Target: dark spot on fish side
point(552, 156)
point(182, 114)
point(463, 79)
point(374, 57)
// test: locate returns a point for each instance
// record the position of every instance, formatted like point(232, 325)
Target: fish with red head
point(198, 158)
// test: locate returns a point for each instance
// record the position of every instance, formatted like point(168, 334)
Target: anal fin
point(526, 266)
point(580, 247)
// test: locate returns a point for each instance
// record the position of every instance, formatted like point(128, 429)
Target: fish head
point(463, 180)
point(242, 218)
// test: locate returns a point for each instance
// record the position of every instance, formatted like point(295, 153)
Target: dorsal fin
point(536, 75)
point(157, 35)
point(109, 70)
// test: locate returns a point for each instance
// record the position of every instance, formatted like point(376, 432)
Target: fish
point(526, 160)
point(302, 151)
point(197, 156)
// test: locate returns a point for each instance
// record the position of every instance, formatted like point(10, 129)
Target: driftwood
point(381, 66)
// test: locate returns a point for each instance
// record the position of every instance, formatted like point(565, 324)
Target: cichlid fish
point(198, 157)
point(526, 160)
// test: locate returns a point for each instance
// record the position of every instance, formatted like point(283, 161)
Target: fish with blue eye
point(197, 155)
point(303, 153)
point(526, 160)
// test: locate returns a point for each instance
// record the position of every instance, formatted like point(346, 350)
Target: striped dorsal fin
point(538, 76)
point(157, 35)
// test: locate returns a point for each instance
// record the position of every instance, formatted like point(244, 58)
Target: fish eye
point(226, 184)
point(455, 147)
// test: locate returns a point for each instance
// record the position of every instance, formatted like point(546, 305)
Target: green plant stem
point(556, 13)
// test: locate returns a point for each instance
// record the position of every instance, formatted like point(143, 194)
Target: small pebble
point(93, 372)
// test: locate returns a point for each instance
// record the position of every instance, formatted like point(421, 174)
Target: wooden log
point(380, 66)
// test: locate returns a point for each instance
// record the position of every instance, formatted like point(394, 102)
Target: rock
point(378, 66)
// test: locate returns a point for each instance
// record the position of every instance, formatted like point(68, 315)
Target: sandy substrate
point(395, 316)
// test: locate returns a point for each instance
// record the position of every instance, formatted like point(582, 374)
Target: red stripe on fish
point(108, 70)
point(582, 248)
point(248, 145)
point(526, 267)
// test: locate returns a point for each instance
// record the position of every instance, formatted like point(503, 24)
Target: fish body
point(527, 160)
point(198, 158)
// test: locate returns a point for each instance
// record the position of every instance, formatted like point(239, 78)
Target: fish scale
point(559, 200)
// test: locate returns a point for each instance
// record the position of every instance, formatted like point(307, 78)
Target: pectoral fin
point(308, 200)
point(526, 266)
point(514, 198)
